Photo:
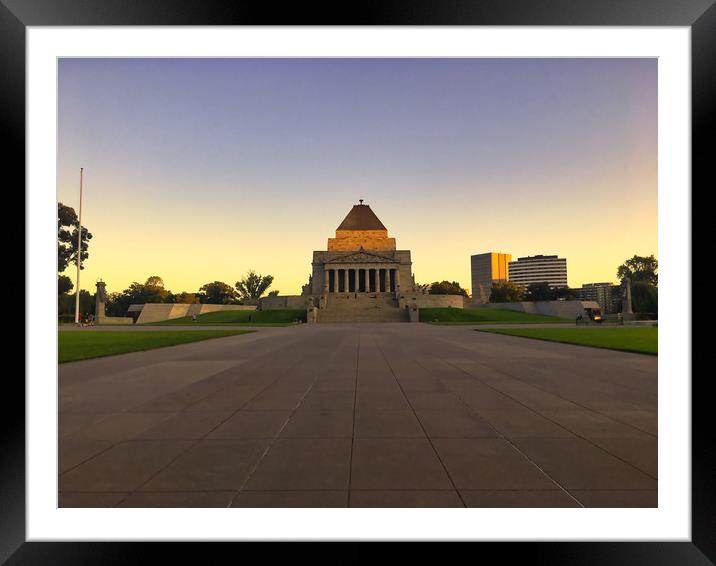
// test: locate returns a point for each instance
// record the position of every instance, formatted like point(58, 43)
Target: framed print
point(326, 280)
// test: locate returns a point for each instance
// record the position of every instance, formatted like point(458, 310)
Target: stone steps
point(364, 308)
point(380, 315)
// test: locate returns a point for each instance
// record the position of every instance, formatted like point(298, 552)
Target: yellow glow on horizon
point(189, 244)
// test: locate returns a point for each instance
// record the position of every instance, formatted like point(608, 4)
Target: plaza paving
point(361, 415)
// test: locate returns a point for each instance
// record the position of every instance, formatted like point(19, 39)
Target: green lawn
point(483, 316)
point(642, 339)
point(82, 345)
point(277, 317)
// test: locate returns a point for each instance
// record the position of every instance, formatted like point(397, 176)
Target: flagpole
point(79, 256)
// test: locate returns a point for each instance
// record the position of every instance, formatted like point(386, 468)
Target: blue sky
point(199, 169)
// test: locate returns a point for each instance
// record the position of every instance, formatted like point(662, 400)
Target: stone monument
point(100, 300)
point(627, 312)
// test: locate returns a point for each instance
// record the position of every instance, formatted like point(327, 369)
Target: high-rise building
point(487, 269)
point(548, 269)
point(607, 295)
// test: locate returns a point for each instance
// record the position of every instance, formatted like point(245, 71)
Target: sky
point(198, 170)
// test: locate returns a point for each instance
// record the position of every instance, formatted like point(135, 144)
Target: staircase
point(365, 307)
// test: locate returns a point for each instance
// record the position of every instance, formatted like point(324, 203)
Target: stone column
point(334, 279)
point(345, 280)
point(100, 299)
point(327, 283)
point(376, 279)
point(366, 278)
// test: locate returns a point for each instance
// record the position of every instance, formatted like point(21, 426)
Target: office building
point(548, 269)
point(487, 269)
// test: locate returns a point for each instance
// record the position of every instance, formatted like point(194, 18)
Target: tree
point(447, 288)
point(539, 292)
point(155, 281)
point(644, 297)
point(151, 291)
point(253, 285)
point(115, 305)
point(565, 293)
point(640, 268)
point(64, 285)
point(273, 293)
point(506, 292)
point(217, 293)
point(66, 304)
point(185, 297)
point(67, 226)
point(642, 271)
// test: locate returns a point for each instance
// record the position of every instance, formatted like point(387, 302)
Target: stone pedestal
point(413, 312)
point(100, 299)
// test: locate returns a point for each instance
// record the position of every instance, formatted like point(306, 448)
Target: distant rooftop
point(537, 257)
point(361, 217)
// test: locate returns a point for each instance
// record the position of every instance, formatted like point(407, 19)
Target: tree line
point(246, 291)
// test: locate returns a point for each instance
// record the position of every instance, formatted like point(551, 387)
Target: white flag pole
point(79, 256)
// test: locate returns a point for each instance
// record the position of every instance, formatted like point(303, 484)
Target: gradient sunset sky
point(198, 169)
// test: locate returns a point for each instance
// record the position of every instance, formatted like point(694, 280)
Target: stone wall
point(432, 301)
point(285, 302)
point(156, 312)
point(114, 320)
point(353, 240)
point(563, 309)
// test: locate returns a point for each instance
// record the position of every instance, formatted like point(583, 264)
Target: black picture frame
point(699, 15)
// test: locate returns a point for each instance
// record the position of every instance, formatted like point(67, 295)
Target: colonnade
point(359, 280)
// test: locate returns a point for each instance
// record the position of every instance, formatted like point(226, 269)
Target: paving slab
point(319, 424)
point(590, 424)
point(459, 422)
point(123, 467)
point(518, 498)
point(489, 463)
point(641, 452)
point(521, 422)
point(397, 463)
point(220, 464)
point(405, 498)
point(122, 426)
point(304, 464)
point(579, 464)
point(387, 424)
point(252, 424)
point(73, 452)
point(186, 425)
point(90, 500)
point(366, 415)
point(617, 498)
point(200, 499)
point(307, 498)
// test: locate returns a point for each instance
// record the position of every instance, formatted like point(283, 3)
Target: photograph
point(392, 278)
point(364, 282)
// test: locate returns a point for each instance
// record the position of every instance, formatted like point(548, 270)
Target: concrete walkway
point(407, 415)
